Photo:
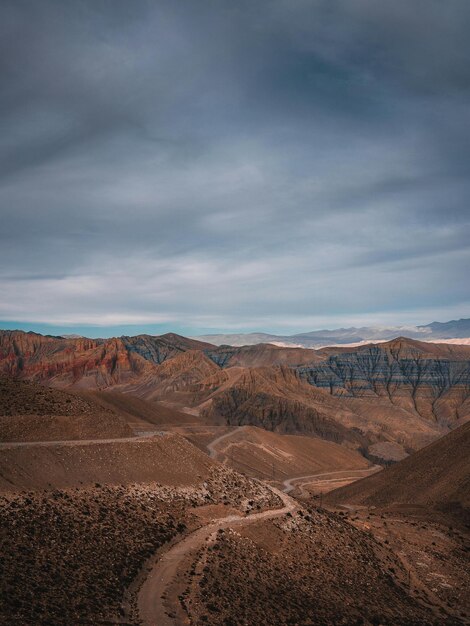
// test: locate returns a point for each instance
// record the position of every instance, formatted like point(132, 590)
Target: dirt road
point(325, 477)
point(152, 611)
point(78, 442)
point(211, 447)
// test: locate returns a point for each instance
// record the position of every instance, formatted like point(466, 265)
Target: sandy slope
point(275, 456)
point(165, 459)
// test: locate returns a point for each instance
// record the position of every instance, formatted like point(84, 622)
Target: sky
point(222, 166)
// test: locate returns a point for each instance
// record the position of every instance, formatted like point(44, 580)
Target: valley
point(173, 483)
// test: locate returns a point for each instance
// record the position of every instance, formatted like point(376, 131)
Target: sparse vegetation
point(313, 568)
point(69, 555)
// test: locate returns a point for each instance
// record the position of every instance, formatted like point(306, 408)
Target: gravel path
point(211, 446)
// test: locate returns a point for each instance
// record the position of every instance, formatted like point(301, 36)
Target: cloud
point(234, 165)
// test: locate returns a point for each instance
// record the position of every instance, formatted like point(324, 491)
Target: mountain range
point(436, 331)
point(384, 400)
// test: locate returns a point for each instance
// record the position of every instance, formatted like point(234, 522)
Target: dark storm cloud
point(214, 164)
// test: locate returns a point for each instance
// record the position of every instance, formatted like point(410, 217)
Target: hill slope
point(437, 476)
point(268, 455)
point(32, 412)
point(166, 459)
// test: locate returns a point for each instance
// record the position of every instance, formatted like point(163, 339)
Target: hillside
point(437, 476)
point(166, 459)
point(272, 456)
point(141, 413)
point(310, 567)
point(32, 412)
point(276, 399)
point(20, 397)
point(75, 555)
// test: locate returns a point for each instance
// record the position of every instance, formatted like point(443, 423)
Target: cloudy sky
point(215, 165)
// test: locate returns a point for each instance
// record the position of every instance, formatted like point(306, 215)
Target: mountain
point(385, 400)
point(448, 330)
point(437, 476)
point(87, 363)
point(402, 391)
point(435, 331)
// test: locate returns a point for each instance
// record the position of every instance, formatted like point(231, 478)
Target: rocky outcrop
point(409, 374)
point(87, 363)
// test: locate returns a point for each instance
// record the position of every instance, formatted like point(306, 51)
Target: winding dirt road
point(153, 605)
point(150, 599)
point(211, 446)
point(324, 478)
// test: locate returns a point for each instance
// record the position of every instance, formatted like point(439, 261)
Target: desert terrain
point(80, 518)
point(402, 560)
point(196, 485)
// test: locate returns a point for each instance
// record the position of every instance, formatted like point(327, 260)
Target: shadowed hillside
point(437, 476)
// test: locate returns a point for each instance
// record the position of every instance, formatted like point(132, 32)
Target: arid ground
point(154, 509)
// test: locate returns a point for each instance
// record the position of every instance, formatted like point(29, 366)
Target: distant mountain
point(449, 330)
point(455, 329)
